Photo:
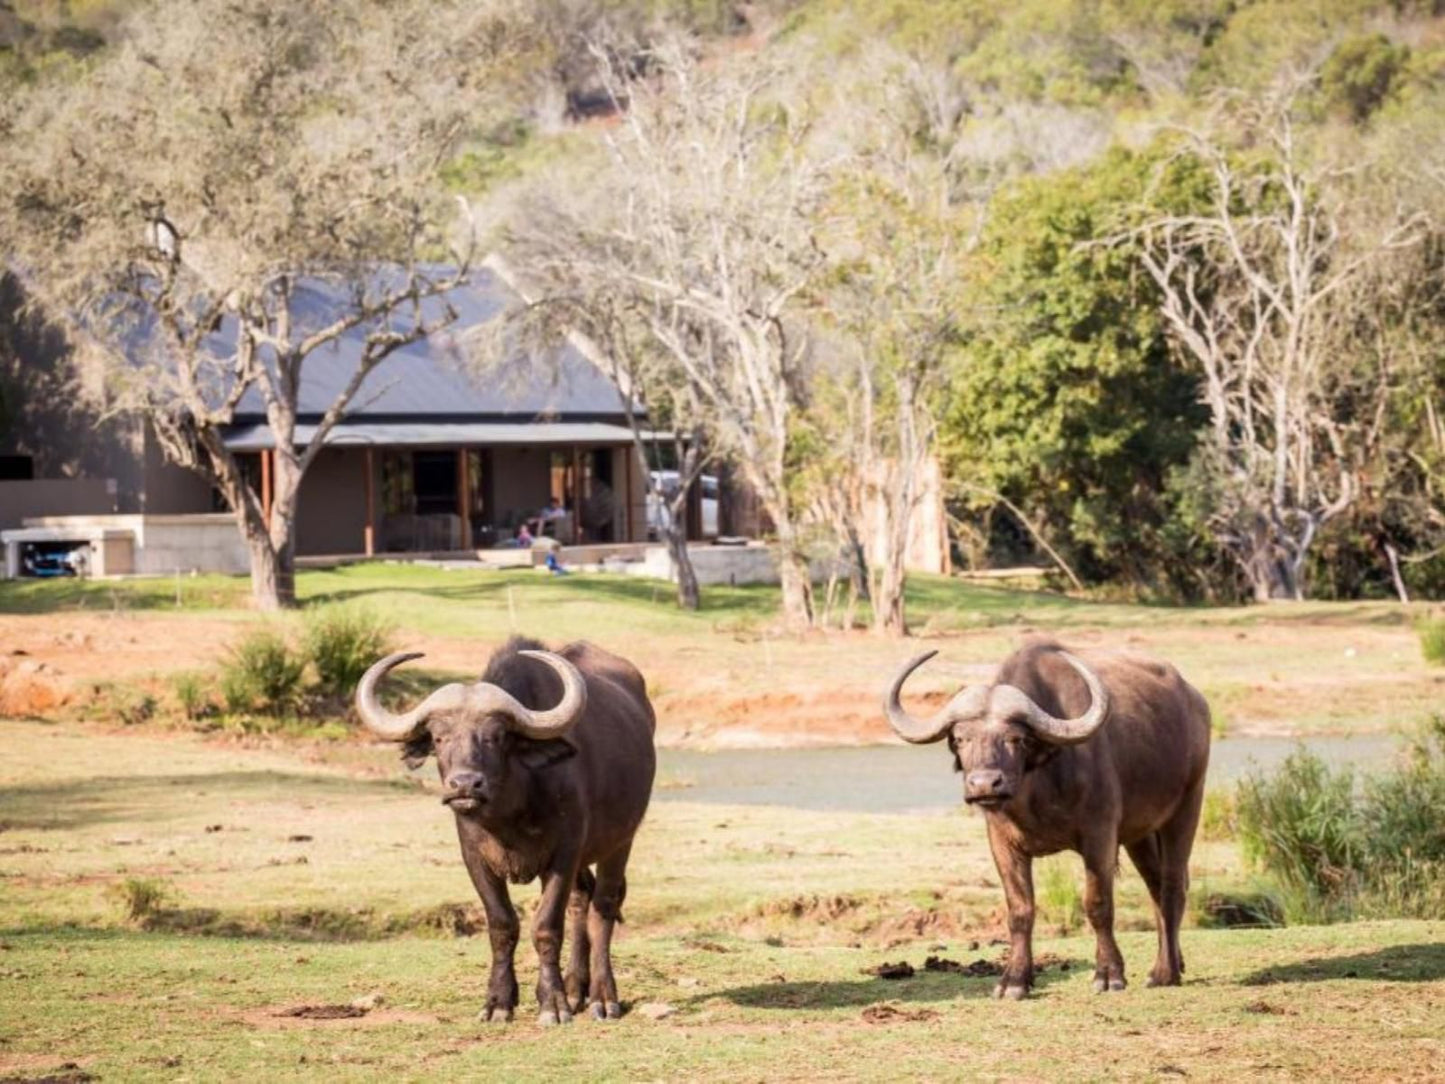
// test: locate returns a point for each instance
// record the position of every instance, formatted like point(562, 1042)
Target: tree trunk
point(689, 597)
point(889, 614)
point(1392, 557)
point(265, 572)
point(797, 584)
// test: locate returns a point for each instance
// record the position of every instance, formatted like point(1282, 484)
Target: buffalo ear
point(538, 755)
point(415, 751)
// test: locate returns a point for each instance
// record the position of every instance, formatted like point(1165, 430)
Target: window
point(17, 468)
point(397, 496)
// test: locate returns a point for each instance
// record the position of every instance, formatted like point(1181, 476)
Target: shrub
point(1301, 826)
point(1340, 851)
point(262, 674)
point(191, 695)
point(341, 643)
point(130, 705)
point(1432, 640)
point(141, 897)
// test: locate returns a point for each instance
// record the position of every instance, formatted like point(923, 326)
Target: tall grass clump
point(1342, 849)
point(261, 673)
point(340, 643)
point(1432, 640)
point(1058, 893)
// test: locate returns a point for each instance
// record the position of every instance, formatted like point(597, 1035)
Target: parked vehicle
point(48, 559)
point(667, 481)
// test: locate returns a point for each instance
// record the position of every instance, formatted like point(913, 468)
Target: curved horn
point(398, 727)
point(1069, 731)
point(556, 722)
point(911, 729)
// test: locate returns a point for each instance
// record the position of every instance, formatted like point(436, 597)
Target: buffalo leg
point(547, 929)
point(578, 980)
point(1177, 841)
point(502, 930)
point(606, 910)
point(1015, 870)
point(1147, 855)
point(1101, 858)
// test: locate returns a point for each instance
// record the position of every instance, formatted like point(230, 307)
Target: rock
point(656, 1010)
point(370, 1001)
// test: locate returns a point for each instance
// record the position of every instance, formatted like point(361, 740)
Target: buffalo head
point(996, 732)
point(480, 733)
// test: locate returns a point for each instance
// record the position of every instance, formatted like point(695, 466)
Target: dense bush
point(262, 674)
point(1339, 850)
point(341, 642)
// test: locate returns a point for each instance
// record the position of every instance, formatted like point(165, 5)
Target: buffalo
point(1064, 754)
point(547, 763)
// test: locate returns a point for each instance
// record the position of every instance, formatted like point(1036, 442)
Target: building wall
point(53, 414)
point(169, 489)
point(331, 507)
point(521, 480)
point(54, 497)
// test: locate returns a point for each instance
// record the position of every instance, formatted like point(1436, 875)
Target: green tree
point(1067, 401)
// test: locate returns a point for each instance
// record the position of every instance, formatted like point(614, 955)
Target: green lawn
point(289, 884)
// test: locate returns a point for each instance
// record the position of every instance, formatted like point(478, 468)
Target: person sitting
point(524, 539)
point(554, 566)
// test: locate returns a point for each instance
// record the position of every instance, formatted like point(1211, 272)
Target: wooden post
point(369, 534)
point(464, 497)
point(628, 470)
point(268, 457)
point(576, 496)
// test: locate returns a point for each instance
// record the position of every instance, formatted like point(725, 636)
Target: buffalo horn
point(555, 722)
point(400, 727)
point(1067, 731)
point(908, 727)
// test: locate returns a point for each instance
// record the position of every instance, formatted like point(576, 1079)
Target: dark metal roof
point(431, 379)
point(421, 433)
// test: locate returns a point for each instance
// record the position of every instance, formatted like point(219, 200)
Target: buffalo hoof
point(1108, 986)
point(1168, 980)
point(550, 1017)
point(495, 1015)
point(1011, 991)
point(610, 1010)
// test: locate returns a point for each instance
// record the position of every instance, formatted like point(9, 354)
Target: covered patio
point(418, 486)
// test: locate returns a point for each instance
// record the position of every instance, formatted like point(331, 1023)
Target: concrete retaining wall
point(163, 544)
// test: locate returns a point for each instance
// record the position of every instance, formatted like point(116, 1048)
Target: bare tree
point(901, 227)
point(557, 303)
point(177, 200)
point(1262, 290)
point(697, 230)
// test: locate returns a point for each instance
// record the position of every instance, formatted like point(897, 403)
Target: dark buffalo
point(539, 791)
point(1067, 755)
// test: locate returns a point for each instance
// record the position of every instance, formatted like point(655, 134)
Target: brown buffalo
point(1063, 754)
point(547, 763)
